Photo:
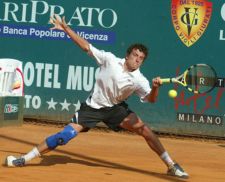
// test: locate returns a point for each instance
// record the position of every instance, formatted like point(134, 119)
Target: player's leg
point(123, 117)
point(50, 143)
point(83, 120)
point(135, 124)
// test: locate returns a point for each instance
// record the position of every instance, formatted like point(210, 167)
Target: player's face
point(134, 60)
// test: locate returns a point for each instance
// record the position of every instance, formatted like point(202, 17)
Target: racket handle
point(166, 80)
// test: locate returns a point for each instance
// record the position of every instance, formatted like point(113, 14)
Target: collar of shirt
point(133, 73)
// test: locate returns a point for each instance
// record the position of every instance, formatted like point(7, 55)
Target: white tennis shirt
point(113, 84)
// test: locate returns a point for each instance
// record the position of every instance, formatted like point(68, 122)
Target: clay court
point(108, 156)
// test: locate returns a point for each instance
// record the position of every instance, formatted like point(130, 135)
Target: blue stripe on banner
point(39, 32)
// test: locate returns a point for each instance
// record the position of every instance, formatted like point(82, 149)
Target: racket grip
point(166, 80)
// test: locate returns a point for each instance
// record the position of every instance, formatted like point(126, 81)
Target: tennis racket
point(198, 78)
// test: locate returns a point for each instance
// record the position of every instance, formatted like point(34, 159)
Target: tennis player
point(117, 80)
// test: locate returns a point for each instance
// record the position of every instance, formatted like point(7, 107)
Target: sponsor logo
point(44, 33)
point(223, 12)
point(11, 108)
point(190, 19)
point(222, 35)
point(202, 108)
point(35, 11)
point(39, 12)
point(199, 118)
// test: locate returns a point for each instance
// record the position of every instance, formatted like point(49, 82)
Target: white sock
point(166, 158)
point(32, 154)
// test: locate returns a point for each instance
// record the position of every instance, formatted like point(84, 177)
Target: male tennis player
point(117, 80)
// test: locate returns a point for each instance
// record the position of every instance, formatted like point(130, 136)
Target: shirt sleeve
point(100, 55)
point(143, 89)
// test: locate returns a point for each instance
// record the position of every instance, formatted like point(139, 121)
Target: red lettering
point(219, 97)
point(180, 100)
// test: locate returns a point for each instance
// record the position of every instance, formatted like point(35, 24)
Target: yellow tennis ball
point(172, 93)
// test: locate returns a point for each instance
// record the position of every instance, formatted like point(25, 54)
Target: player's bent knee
point(142, 129)
point(62, 137)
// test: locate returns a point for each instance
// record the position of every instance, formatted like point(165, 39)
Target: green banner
point(58, 76)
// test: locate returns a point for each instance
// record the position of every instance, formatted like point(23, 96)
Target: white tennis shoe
point(176, 170)
point(12, 161)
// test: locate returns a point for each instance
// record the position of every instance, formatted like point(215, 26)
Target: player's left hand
point(58, 23)
point(156, 82)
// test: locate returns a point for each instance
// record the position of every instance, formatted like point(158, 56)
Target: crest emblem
point(190, 19)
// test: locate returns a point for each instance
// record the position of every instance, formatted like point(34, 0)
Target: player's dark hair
point(140, 47)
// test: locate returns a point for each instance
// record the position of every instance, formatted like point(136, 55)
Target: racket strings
point(201, 78)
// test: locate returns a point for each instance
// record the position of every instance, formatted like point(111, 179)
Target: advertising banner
point(59, 76)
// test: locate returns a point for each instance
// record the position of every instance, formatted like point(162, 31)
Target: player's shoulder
point(95, 49)
point(112, 58)
point(140, 78)
point(139, 74)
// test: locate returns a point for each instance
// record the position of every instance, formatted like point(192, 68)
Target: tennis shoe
point(176, 170)
point(12, 161)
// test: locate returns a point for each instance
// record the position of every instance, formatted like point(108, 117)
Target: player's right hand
point(156, 82)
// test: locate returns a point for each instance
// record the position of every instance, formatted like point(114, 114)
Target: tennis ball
point(172, 93)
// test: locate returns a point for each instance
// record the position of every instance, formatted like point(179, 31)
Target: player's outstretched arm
point(60, 24)
point(156, 83)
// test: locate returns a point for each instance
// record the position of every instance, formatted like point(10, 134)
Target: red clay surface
point(99, 156)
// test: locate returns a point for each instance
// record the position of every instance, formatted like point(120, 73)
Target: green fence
point(59, 76)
